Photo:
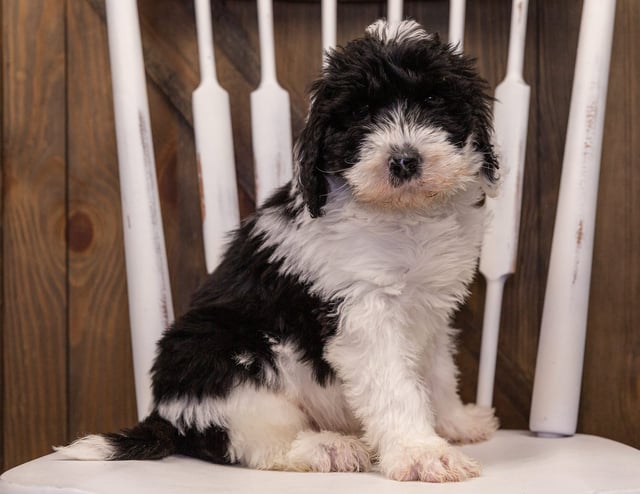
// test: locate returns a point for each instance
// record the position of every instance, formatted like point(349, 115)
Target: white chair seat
point(513, 462)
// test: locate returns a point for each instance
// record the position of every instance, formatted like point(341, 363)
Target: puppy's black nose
point(404, 165)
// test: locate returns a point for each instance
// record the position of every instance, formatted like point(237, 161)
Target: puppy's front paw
point(432, 461)
point(468, 424)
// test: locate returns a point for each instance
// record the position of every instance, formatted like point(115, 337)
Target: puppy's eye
point(360, 113)
point(433, 100)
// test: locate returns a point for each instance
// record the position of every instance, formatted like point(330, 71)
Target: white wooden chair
point(552, 459)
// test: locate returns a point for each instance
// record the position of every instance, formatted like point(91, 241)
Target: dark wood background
point(66, 358)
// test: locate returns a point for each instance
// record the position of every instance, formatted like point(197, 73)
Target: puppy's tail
point(151, 439)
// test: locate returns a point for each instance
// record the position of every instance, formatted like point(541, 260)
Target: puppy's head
point(400, 117)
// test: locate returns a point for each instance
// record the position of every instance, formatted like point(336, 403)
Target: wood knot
point(80, 231)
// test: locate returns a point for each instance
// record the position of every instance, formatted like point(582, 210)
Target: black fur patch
point(155, 438)
point(151, 439)
point(243, 309)
point(211, 445)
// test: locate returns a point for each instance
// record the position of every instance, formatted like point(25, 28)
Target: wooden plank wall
point(66, 358)
point(35, 349)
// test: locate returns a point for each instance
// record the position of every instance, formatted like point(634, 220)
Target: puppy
point(322, 342)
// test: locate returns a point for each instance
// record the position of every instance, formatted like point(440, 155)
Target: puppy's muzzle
point(404, 165)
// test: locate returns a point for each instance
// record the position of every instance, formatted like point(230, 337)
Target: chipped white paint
point(214, 145)
point(456, 23)
point(150, 305)
point(270, 115)
point(556, 390)
point(500, 243)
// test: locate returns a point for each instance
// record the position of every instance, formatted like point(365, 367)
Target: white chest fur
point(353, 251)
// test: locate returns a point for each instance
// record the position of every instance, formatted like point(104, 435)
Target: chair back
point(559, 363)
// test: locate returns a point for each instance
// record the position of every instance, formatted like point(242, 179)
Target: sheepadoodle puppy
point(323, 342)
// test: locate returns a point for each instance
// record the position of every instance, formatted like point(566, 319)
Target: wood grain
point(99, 338)
point(34, 318)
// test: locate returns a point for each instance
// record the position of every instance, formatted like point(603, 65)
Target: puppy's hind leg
point(262, 425)
point(268, 431)
point(327, 451)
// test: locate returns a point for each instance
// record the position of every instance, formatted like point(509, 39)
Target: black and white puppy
point(322, 342)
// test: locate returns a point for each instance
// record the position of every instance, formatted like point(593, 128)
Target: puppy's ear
point(483, 143)
point(490, 168)
point(309, 154)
